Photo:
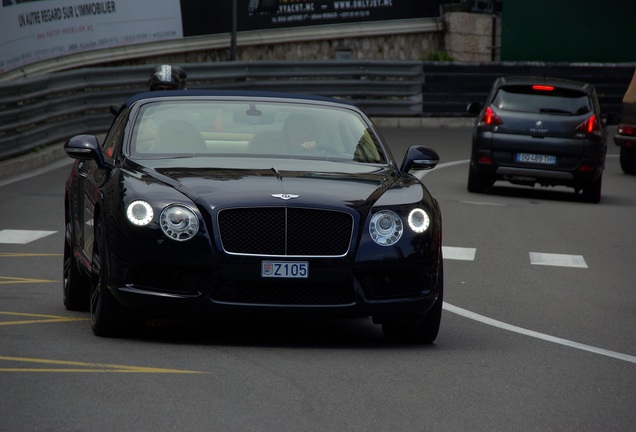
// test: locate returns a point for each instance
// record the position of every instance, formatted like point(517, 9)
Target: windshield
point(525, 98)
point(164, 129)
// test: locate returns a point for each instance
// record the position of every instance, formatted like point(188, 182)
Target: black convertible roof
point(231, 93)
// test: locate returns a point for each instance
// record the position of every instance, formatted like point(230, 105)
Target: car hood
point(263, 182)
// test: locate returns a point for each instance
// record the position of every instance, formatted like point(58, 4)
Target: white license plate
point(536, 158)
point(285, 269)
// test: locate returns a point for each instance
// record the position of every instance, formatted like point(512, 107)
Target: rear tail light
point(628, 130)
point(590, 125)
point(490, 117)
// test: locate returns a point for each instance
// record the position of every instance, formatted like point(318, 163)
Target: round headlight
point(139, 213)
point(179, 222)
point(419, 220)
point(385, 228)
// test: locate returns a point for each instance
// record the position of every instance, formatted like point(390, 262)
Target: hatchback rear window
point(554, 100)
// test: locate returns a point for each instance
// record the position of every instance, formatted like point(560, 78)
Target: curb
point(30, 161)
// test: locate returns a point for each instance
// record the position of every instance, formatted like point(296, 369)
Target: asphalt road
point(538, 332)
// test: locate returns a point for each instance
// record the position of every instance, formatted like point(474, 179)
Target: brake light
point(590, 125)
point(490, 117)
point(627, 130)
point(542, 87)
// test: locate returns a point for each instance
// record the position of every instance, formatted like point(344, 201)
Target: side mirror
point(84, 147)
point(419, 158)
point(473, 108)
point(114, 109)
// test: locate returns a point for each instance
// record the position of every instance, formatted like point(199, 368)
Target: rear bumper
point(625, 141)
point(578, 161)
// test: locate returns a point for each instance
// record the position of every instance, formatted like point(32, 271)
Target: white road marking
point(485, 203)
point(421, 174)
point(565, 342)
point(458, 253)
point(9, 236)
point(559, 260)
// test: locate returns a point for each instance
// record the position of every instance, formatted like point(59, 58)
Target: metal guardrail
point(448, 87)
point(48, 109)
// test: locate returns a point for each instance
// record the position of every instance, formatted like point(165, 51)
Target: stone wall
point(459, 36)
point(414, 46)
point(469, 36)
point(464, 36)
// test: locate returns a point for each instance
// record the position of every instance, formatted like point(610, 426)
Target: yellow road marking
point(6, 280)
point(87, 367)
point(42, 319)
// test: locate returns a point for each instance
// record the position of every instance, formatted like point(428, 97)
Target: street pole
point(234, 30)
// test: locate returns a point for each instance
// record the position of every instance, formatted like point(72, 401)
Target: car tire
point(421, 330)
point(106, 314)
point(477, 183)
point(75, 284)
point(628, 160)
point(592, 192)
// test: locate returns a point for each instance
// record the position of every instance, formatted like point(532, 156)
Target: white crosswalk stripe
point(458, 253)
point(10, 236)
point(536, 258)
point(559, 260)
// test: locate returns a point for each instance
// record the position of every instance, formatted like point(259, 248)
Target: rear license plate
point(285, 269)
point(536, 158)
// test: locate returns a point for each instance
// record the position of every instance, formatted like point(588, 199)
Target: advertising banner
point(207, 17)
point(31, 31)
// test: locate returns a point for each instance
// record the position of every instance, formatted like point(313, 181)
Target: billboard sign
point(35, 30)
point(206, 17)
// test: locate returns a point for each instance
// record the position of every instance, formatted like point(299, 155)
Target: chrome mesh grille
point(285, 231)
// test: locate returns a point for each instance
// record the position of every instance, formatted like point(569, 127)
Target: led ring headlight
point(139, 213)
point(419, 220)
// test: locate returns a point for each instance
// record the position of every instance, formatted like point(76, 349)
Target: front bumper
point(333, 289)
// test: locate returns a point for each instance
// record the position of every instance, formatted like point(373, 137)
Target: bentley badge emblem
point(285, 196)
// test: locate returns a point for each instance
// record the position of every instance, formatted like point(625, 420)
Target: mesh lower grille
point(286, 293)
point(395, 284)
point(169, 279)
point(285, 231)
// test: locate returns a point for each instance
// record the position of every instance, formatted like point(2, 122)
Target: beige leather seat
point(179, 136)
point(267, 142)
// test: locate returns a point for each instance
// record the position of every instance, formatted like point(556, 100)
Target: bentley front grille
point(282, 231)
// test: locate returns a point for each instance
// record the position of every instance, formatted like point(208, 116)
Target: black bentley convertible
point(229, 202)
